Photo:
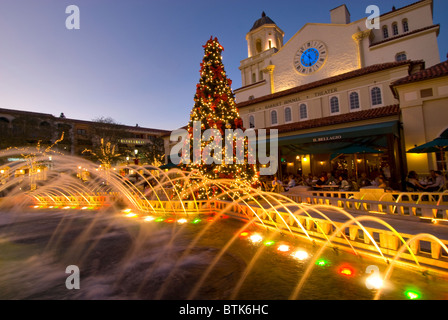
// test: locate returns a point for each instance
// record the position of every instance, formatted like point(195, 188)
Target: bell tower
point(264, 35)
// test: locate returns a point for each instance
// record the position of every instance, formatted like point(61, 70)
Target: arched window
point(401, 56)
point(385, 32)
point(334, 105)
point(258, 46)
point(405, 25)
point(376, 96)
point(251, 121)
point(303, 111)
point(288, 115)
point(274, 117)
point(254, 77)
point(354, 101)
point(394, 28)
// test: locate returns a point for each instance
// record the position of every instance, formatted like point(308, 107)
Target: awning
point(339, 135)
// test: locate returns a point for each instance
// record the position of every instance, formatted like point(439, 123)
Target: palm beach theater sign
point(297, 99)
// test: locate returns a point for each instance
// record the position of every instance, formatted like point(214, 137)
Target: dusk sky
point(137, 61)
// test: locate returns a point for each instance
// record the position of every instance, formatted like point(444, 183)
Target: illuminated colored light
point(197, 220)
point(170, 220)
point(210, 219)
point(66, 208)
point(224, 216)
point(74, 207)
point(127, 210)
point(148, 218)
point(35, 207)
point(244, 234)
point(346, 271)
point(374, 282)
point(84, 208)
point(255, 238)
point(269, 243)
point(159, 220)
point(321, 263)
point(283, 248)
point(300, 255)
point(182, 221)
point(131, 215)
point(412, 295)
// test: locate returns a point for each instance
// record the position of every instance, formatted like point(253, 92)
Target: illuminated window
point(273, 117)
point(303, 111)
point(334, 105)
point(354, 101)
point(288, 115)
point(376, 96)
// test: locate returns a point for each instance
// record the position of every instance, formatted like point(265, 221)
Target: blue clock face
point(309, 57)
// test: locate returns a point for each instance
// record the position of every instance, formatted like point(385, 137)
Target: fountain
point(133, 235)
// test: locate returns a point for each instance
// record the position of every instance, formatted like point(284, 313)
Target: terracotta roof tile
point(334, 79)
point(391, 110)
point(436, 71)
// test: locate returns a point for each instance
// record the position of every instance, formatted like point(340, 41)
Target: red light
point(210, 219)
point(346, 271)
point(169, 220)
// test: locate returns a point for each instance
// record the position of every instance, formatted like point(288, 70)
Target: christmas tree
point(215, 108)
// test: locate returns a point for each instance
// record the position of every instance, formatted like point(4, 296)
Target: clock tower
point(264, 39)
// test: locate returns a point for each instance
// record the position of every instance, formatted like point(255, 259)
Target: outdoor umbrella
point(439, 144)
point(354, 149)
point(168, 165)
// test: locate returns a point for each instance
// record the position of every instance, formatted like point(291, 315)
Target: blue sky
point(137, 61)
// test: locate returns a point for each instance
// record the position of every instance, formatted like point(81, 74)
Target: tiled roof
point(327, 81)
point(439, 70)
point(262, 21)
point(387, 111)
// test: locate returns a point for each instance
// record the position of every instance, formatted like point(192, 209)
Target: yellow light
point(300, 255)
point(374, 281)
point(131, 215)
point(127, 210)
point(255, 238)
point(149, 218)
point(84, 208)
point(283, 248)
point(305, 159)
point(182, 221)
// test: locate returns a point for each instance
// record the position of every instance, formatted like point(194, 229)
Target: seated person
point(413, 183)
point(291, 182)
point(382, 183)
point(438, 184)
point(363, 181)
point(320, 182)
point(330, 179)
point(344, 185)
point(276, 184)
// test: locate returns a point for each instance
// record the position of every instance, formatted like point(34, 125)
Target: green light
point(159, 220)
point(197, 220)
point(412, 294)
point(321, 263)
point(269, 243)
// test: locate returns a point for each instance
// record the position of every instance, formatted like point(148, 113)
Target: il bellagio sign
point(329, 138)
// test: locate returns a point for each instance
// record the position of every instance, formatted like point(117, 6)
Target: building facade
point(335, 92)
point(26, 129)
